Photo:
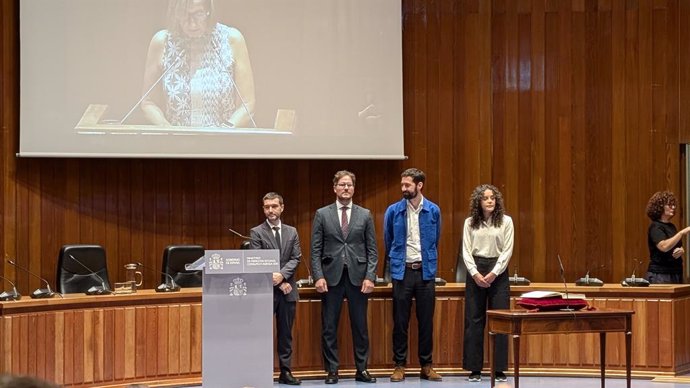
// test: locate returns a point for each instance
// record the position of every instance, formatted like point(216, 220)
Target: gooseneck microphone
point(14, 295)
point(175, 65)
point(633, 281)
point(39, 293)
point(94, 290)
point(565, 284)
point(244, 103)
point(240, 235)
point(163, 287)
point(517, 280)
point(309, 281)
point(246, 238)
point(590, 281)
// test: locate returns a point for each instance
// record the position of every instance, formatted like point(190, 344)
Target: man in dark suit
point(273, 234)
point(343, 260)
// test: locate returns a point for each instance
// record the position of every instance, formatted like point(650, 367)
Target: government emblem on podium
point(215, 262)
point(238, 287)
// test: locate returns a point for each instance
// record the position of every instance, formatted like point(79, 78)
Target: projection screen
point(306, 79)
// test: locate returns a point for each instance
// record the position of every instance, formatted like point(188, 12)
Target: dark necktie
point(343, 222)
point(276, 234)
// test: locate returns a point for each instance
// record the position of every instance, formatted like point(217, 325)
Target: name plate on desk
point(242, 261)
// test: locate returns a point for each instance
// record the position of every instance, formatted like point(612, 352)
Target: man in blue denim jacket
point(412, 228)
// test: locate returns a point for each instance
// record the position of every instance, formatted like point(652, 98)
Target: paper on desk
point(551, 294)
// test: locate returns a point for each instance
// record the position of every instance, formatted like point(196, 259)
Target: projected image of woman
point(200, 70)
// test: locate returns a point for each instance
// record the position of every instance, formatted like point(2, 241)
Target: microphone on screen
point(175, 65)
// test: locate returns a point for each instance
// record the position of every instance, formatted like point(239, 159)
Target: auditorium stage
point(461, 381)
point(97, 341)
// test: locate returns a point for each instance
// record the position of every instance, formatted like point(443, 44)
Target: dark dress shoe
point(288, 378)
point(365, 377)
point(332, 378)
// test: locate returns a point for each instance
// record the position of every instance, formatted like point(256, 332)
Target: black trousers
point(424, 293)
point(285, 317)
point(331, 304)
point(664, 278)
point(476, 300)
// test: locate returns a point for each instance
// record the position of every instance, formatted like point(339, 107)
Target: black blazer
point(262, 238)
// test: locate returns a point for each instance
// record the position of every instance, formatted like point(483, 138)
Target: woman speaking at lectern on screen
point(198, 72)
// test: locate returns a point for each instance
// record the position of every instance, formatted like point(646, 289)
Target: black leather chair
point(174, 259)
point(73, 277)
point(460, 268)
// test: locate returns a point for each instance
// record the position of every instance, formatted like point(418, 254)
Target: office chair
point(460, 268)
point(82, 268)
point(174, 259)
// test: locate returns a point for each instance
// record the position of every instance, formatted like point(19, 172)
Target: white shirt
point(413, 251)
point(340, 212)
point(488, 241)
point(279, 225)
point(280, 228)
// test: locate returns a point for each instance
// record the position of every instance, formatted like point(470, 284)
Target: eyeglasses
point(345, 185)
point(198, 17)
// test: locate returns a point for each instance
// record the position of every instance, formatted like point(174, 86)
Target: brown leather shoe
point(428, 373)
point(398, 374)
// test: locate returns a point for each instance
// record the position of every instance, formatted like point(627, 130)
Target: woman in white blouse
point(486, 249)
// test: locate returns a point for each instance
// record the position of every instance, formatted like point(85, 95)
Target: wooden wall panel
point(574, 108)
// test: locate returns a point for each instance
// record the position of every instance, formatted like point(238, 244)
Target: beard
point(409, 195)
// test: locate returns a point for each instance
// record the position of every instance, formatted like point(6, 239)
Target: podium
point(237, 318)
point(92, 123)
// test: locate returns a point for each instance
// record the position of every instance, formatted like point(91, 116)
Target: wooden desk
point(520, 322)
point(155, 338)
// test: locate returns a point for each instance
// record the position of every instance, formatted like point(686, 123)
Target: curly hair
point(476, 212)
point(655, 206)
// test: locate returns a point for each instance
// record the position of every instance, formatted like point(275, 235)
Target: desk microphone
point(565, 284)
point(309, 281)
point(516, 280)
point(163, 287)
point(39, 293)
point(633, 281)
point(94, 290)
point(247, 240)
point(240, 235)
point(588, 281)
point(14, 295)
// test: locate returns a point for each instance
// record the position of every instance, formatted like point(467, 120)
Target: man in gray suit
point(343, 261)
point(273, 234)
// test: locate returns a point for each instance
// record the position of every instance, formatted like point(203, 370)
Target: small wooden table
point(522, 322)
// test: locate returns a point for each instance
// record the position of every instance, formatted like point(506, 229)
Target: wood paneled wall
point(574, 108)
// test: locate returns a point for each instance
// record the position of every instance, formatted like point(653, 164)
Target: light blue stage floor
point(461, 381)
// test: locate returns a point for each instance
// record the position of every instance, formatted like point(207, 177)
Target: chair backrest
point(72, 277)
point(460, 268)
point(386, 271)
point(174, 259)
